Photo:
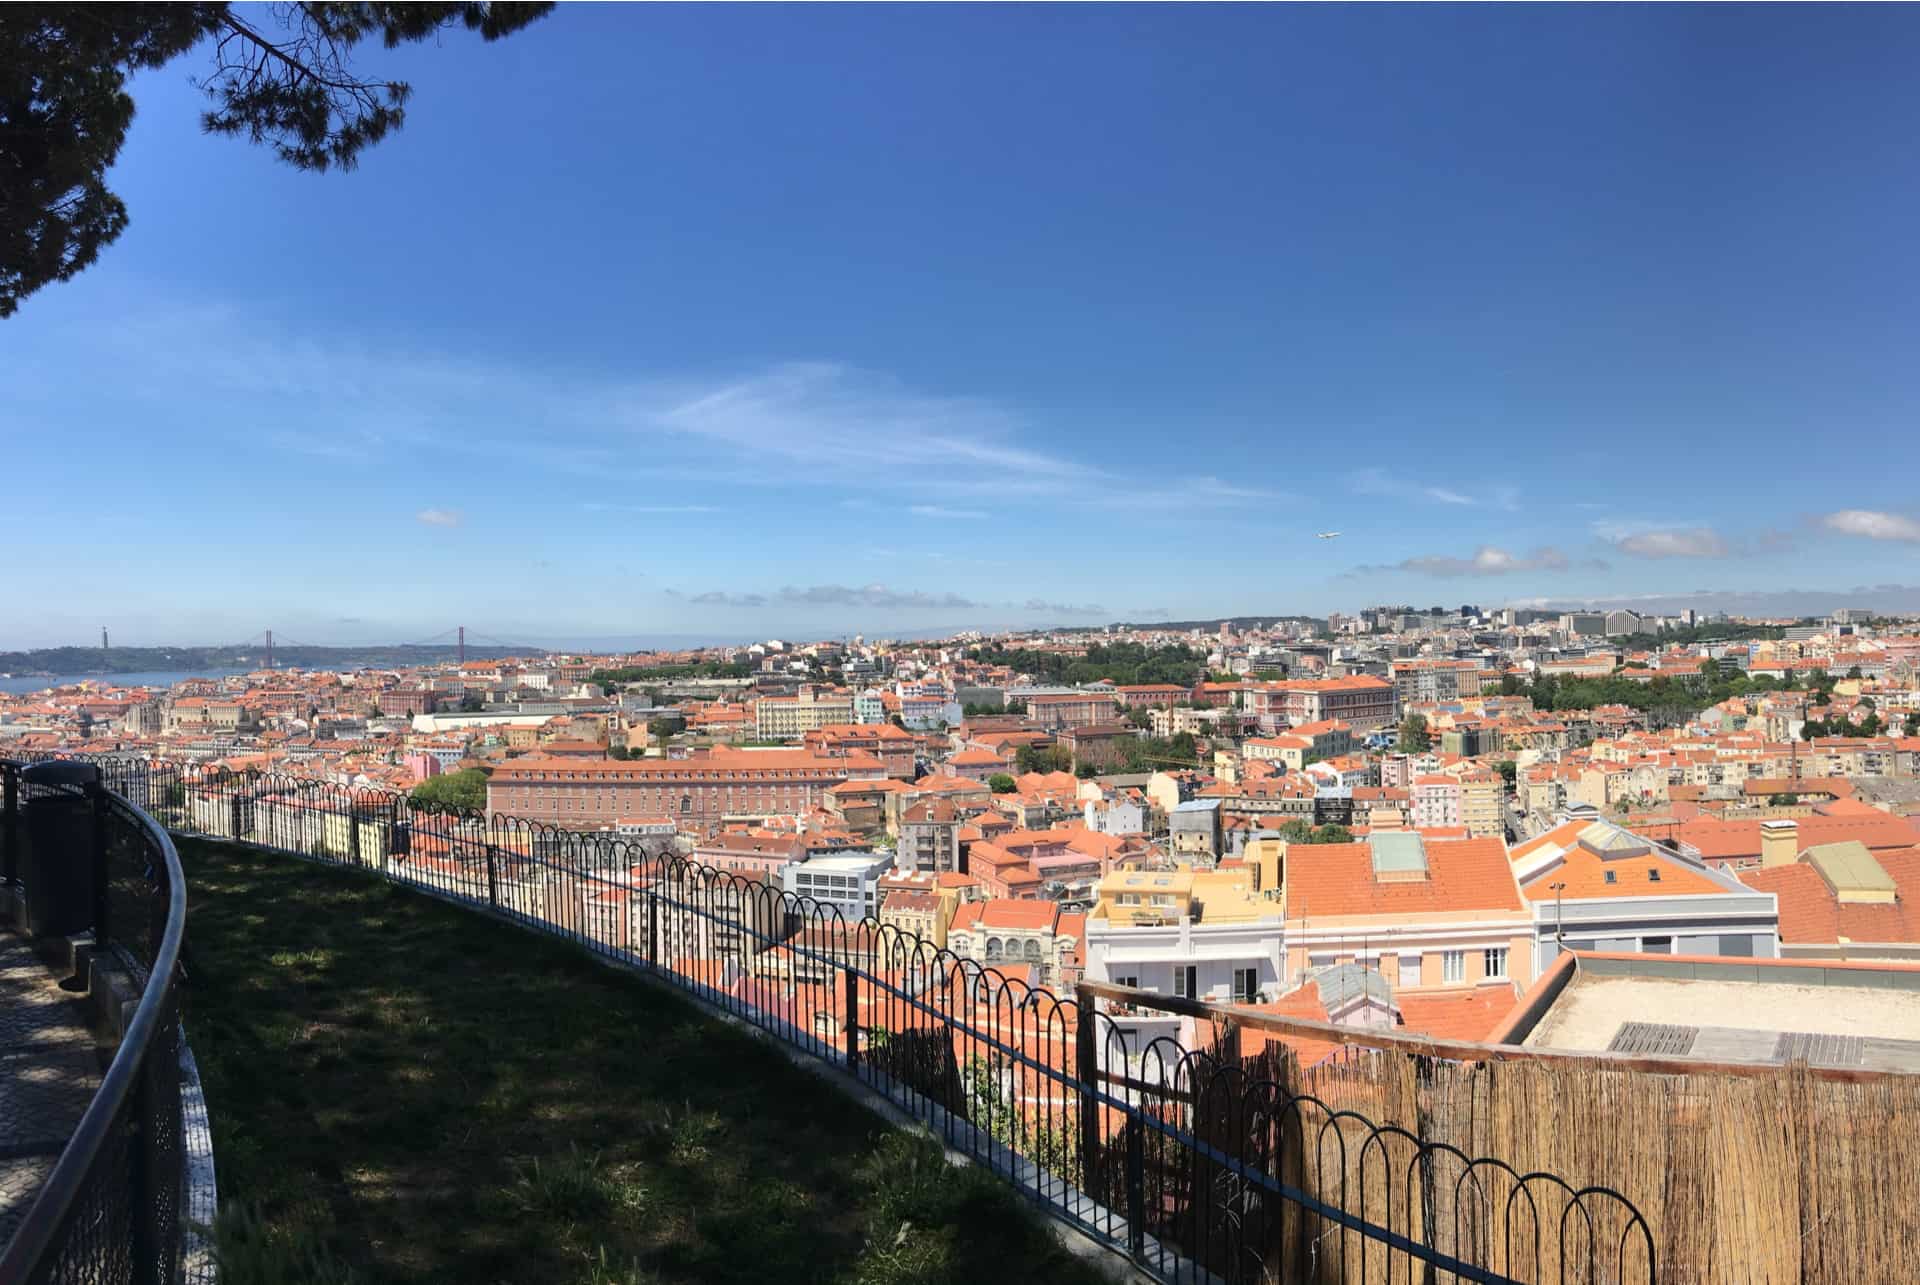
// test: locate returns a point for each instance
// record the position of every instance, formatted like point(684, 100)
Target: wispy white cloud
point(1064, 608)
point(1487, 560)
point(1687, 542)
point(942, 511)
point(822, 418)
point(1873, 525)
point(1376, 481)
point(437, 517)
point(1651, 539)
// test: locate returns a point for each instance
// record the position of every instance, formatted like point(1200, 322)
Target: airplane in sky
point(1329, 535)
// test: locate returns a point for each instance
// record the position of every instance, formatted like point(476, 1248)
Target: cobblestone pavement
point(49, 1068)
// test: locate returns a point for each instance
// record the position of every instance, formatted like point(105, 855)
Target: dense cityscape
point(1017, 794)
point(926, 644)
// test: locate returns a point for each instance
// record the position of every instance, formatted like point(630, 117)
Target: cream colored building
point(811, 709)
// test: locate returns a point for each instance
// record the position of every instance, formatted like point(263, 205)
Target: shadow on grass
point(406, 1091)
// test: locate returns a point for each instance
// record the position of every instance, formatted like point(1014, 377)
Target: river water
point(160, 678)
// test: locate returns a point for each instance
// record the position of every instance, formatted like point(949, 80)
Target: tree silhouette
point(287, 82)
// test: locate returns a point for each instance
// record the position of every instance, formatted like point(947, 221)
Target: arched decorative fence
point(1202, 1164)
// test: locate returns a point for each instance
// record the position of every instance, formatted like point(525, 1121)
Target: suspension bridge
point(454, 636)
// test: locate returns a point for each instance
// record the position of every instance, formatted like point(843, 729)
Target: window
point(1246, 985)
point(1496, 961)
point(1657, 945)
point(1453, 966)
point(1612, 876)
point(1653, 876)
point(1183, 980)
point(1126, 981)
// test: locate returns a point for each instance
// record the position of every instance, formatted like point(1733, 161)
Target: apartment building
point(1362, 701)
point(1435, 682)
point(929, 830)
point(1440, 913)
point(1435, 800)
point(848, 882)
point(809, 709)
point(1483, 799)
point(1074, 709)
point(1209, 934)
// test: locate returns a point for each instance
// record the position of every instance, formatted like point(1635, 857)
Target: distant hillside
point(1236, 623)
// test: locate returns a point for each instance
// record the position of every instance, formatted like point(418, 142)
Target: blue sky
point(805, 320)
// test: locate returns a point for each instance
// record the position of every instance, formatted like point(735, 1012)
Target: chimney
point(1779, 843)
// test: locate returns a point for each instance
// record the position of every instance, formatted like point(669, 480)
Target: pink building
point(1436, 801)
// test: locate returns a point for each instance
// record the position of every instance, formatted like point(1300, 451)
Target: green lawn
point(405, 1091)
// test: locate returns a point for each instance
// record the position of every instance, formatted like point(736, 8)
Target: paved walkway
point(49, 1069)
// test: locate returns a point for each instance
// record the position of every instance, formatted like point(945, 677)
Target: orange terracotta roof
point(1726, 840)
point(1456, 1015)
point(1463, 875)
point(1809, 911)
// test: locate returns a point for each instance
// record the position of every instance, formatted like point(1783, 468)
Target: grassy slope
point(405, 1091)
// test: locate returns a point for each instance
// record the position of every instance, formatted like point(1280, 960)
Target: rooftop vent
point(1654, 1039)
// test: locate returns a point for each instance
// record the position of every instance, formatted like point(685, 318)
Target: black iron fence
point(1200, 1164)
point(110, 1209)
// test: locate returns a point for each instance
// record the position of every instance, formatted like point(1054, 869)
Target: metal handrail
point(44, 1221)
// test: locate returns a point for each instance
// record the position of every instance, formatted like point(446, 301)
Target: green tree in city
point(1509, 771)
point(1043, 758)
point(281, 75)
point(1912, 727)
point(472, 703)
point(1414, 737)
point(462, 791)
point(1332, 834)
point(1001, 783)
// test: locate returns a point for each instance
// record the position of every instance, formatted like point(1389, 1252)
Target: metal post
point(102, 930)
point(1086, 1062)
point(853, 1018)
point(11, 820)
point(1136, 1190)
point(653, 930)
point(146, 1244)
point(493, 875)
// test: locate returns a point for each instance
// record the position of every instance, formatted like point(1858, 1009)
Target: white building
point(1211, 935)
point(846, 881)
